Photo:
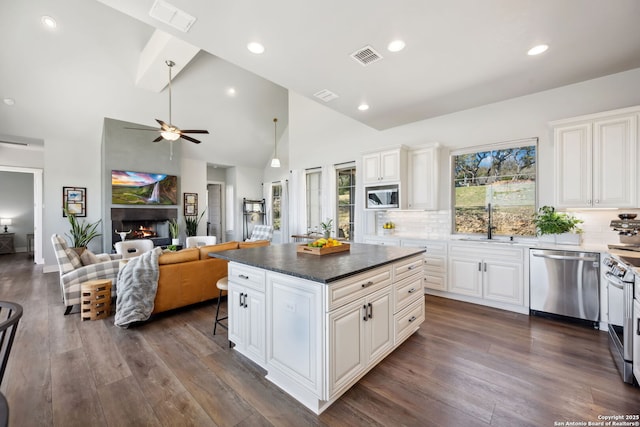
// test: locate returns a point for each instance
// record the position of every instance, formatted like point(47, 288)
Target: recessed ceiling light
point(48, 22)
point(537, 50)
point(231, 91)
point(255, 47)
point(9, 101)
point(396, 46)
point(363, 107)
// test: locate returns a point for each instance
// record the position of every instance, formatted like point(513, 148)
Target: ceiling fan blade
point(158, 139)
point(163, 125)
point(188, 138)
point(195, 131)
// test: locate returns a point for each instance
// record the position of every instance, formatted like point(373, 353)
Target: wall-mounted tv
point(140, 188)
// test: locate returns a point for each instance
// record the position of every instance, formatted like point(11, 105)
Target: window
point(502, 177)
point(346, 191)
point(314, 200)
point(276, 205)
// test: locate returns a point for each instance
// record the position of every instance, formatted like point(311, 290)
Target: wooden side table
point(6, 243)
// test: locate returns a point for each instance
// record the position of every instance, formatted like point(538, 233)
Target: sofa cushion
point(253, 244)
point(204, 250)
point(191, 254)
point(74, 258)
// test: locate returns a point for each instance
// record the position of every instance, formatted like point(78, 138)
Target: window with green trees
point(503, 176)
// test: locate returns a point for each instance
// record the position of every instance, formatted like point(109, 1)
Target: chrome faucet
point(490, 226)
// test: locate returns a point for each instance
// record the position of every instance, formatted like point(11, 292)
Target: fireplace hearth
point(144, 223)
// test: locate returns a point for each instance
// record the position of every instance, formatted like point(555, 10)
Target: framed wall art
point(190, 204)
point(74, 199)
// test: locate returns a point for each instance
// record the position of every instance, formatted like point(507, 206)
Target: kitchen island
point(318, 324)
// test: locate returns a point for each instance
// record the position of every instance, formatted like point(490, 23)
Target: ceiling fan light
point(170, 136)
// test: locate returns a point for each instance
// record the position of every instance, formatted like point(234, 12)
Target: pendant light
point(275, 162)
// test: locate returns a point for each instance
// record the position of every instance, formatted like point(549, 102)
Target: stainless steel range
point(620, 276)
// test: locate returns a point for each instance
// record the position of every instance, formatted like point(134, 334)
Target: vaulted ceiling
point(459, 54)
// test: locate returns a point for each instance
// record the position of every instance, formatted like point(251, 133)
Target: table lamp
point(6, 222)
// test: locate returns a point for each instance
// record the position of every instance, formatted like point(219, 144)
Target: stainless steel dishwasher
point(565, 283)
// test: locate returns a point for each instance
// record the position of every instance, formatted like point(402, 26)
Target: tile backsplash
point(436, 225)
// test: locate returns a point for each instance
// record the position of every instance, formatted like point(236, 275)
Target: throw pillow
point(74, 258)
point(88, 257)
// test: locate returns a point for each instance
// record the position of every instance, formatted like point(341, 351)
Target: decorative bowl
point(627, 215)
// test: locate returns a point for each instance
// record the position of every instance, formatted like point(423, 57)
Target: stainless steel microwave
point(382, 197)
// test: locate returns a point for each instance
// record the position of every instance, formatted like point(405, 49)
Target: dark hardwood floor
point(467, 366)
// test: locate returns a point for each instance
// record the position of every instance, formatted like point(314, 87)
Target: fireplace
point(144, 223)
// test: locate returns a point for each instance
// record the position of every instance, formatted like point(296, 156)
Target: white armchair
point(196, 241)
point(133, 248)
point(73, 273)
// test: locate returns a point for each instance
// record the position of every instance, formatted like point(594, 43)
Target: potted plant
point(82, 232)
point(327, 227)
point(562, 227)
point(174, 231)
point(192, 222)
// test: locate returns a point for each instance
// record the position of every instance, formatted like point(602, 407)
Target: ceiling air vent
point(171, 15)
point(325, 95)
point(366, 56)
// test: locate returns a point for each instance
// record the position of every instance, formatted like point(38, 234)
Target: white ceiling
point(459, 54)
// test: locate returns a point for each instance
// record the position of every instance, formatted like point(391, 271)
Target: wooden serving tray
point(323, 251)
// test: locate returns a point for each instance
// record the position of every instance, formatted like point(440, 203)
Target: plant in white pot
point(562, 227)
point(174, 231)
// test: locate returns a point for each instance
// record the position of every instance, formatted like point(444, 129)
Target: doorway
point(215, 209)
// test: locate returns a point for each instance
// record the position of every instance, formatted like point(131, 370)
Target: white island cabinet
point(322, 337)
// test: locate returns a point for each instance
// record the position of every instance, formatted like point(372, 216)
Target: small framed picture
point(74, 200)
point(190, 204)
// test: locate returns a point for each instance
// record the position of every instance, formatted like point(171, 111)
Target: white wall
point(319, 136)
point(194, 180)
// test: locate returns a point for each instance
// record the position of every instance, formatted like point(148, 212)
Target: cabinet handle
point(241, 303)
point(412, 319)
point(638, 328)
point(479, 266)
point(596, 201)
point(242, 276)
point(485, 266)
point(369, 283)
point(370, 310)
point(410, 267)
point(364, 307)
point(412, 290)
point(589, 201)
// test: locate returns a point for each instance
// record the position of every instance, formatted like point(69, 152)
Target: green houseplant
point(327, 227)
point(192, 222)
point(550, 222)
point(174, 230)
point(82, 232)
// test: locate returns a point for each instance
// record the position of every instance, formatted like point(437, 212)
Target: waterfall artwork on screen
point(142, 188)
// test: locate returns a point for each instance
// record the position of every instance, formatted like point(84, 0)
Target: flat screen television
point(141, 188)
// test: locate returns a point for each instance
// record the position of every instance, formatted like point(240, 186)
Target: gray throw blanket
point(137, 285)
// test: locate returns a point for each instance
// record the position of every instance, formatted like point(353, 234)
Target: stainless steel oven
point(620, 288)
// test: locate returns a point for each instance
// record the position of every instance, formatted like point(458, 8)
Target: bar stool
point(223, 285)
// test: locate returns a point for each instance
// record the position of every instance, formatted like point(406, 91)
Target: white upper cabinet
point(595, 160)
point(384, 166)
point(423, 178)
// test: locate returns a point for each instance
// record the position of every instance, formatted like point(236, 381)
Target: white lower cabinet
point(360, 334)
point(247, 314)
point(435, 262)
point(487, 271)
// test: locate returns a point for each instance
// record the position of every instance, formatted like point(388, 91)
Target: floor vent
point(171, 15)
point(366, 56)
point(325, 95)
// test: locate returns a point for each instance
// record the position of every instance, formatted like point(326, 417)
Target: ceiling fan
point(167, 130)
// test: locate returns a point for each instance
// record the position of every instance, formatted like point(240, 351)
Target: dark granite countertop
point(318, 268)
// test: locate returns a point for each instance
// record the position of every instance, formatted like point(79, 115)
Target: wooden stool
point(223, 285)
point(95, 299)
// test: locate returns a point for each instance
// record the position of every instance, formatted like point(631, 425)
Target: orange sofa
point(189, 276)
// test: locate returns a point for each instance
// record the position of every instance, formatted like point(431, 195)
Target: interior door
point(214, 225)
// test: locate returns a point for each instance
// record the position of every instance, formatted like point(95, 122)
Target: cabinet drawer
point(247, 276)
point(406, 292)
point(408, 320)
point(352, 288)
point(436, 282)
point(408, 267)
point(435, 264)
